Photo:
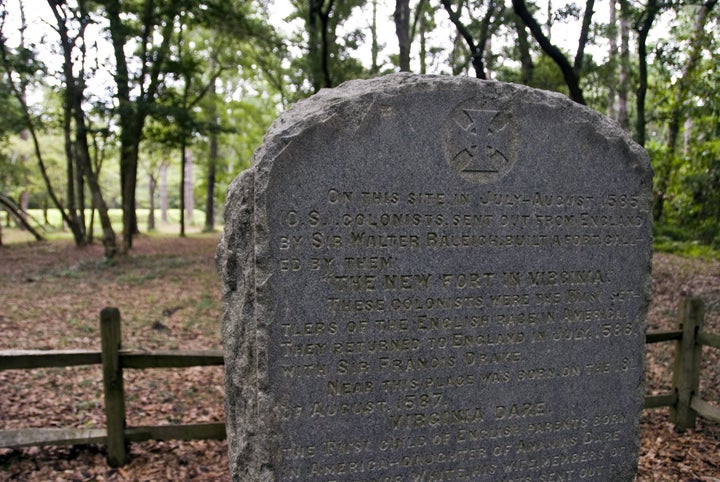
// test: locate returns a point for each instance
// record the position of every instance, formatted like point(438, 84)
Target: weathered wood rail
point(684, 401)
point(114, 360)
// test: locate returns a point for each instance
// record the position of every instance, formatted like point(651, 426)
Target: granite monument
point(437, 279)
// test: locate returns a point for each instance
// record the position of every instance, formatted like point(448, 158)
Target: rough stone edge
point(235, 264)
point(362, 93)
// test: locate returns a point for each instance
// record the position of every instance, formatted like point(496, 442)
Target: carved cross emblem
point(481, 144)
point(485, 143)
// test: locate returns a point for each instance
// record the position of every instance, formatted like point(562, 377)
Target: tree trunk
point(133, 113)
point(319, 23)
point(74, 223)
point(374, 45)
point(644, 26)
point(81, 196)
point(612, 56)
point(402, 30)
point(188, 183)
point(182, 186)
point(210, 199)
point(163, 193)
point(423, 44)
point(12, 209)
point(476, 50)
point(151, 192)
point(584, 36)
point(25, 195)
point(527, 66)
point(128, 181)
point(213, 156)
point(624, 82)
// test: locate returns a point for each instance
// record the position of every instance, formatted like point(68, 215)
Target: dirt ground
point(168, 295)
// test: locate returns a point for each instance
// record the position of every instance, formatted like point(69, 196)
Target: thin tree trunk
point(210, 201)
point(623, 84)
point(402, 30)
point(213, 156)
point(584, 36)
point(16, 212)
point(81, 196)
point(643, 28)
point(163, 193)
point(188, 186)
point(476, 50)
point(182, 186)
point(320, 54)
point(526, 62)
point(374, 45)
point(612, 56)
point(151, 192)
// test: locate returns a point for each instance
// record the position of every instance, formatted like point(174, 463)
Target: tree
point(328, 59)
point(679, 105)
point(143, 22)
point(643, 25)
point(11, 172)
point(159, 63)
point(77, 146)
point(213, 160)
point(486, 27)
point(21, 69)
point(625, 70)
point(571, 72)
point(402, 30)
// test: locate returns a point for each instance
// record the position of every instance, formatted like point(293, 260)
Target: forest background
point(110, 109)
point(128, 105)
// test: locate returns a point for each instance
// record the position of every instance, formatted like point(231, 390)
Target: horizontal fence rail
point(29, 359)
point(684, 402)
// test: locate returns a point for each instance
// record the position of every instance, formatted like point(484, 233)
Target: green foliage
point(12, 170)
point(327, 58)
point(257, 69)
point(688, 170)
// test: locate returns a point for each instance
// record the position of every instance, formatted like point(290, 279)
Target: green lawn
point(54, 228)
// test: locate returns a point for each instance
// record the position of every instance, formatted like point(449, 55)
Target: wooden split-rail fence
point(116, 435)
point(684, 401)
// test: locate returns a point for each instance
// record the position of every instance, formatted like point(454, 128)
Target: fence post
point(111, 338)
point(686, 370)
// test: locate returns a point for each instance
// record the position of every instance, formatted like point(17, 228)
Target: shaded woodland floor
point(168, 295)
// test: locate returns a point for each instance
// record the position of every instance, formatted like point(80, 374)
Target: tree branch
point(569, 74)
point(475, 51)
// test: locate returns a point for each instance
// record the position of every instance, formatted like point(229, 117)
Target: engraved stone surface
point(437, 279)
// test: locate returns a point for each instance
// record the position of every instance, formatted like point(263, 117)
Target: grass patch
point(54, 229)
point(690, 249)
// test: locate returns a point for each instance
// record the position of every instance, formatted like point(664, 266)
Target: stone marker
point(437, 279)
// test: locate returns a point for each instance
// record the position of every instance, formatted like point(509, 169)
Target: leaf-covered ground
point(168, 294)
